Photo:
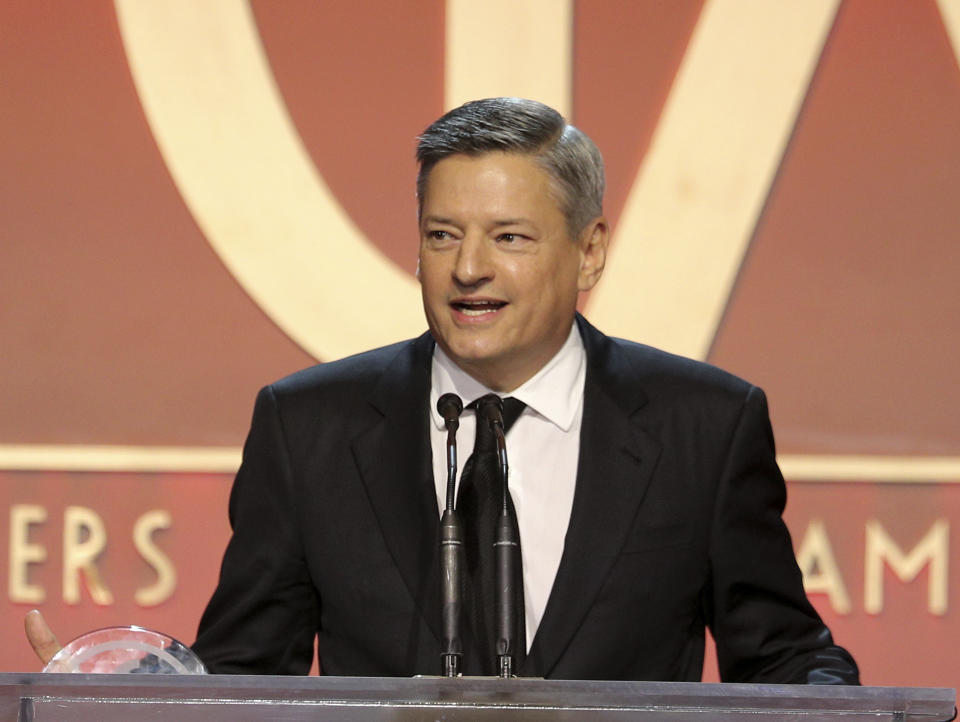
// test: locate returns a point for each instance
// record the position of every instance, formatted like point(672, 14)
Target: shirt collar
point(554, 392)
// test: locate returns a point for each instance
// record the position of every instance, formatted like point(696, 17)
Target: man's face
point(499, 272)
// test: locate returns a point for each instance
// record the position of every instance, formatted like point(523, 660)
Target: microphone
point(506, 543)
point(451, 545)
point(450, 406)
point(490, 407)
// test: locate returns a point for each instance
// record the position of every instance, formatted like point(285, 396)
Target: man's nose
point(474, 261)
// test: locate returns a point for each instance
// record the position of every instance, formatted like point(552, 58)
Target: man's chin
point(472, 358)
point(481, 362)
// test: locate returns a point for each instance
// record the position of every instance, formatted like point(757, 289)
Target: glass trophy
point(125, 650)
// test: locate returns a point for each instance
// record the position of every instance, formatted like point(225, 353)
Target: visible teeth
point(478, 308)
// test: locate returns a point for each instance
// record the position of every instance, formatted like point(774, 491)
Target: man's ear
point(593, 252)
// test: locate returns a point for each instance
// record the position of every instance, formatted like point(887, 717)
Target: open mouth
point(477, 308)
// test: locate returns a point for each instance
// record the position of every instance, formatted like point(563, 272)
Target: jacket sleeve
point(765, 628)
point(264, 613)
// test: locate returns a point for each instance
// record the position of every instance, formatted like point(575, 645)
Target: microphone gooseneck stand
point(451, 545)
point(506, 542)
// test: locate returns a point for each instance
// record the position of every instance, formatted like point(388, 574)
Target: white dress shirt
point(543, 447)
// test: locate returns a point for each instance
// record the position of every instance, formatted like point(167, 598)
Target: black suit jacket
point(676, 525)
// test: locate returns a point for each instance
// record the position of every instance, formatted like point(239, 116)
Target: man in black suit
point(646, 485)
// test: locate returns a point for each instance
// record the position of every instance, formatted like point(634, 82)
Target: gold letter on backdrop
point(692, 211)
point(23, 553)
point(84, 538)
point(933, 549)
point(534, 51)
point(166, 583)
point(226, 137)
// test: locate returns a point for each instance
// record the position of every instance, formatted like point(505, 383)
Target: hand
point(40, 636)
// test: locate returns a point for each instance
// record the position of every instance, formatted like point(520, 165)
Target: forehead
point(494, 181)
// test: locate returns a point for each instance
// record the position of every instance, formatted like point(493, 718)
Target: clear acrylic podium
point(128, 697)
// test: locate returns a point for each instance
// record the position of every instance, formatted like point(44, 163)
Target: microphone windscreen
point(450, 406)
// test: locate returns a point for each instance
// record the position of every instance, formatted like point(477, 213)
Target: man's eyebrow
point(511, 221)
point(496, 223)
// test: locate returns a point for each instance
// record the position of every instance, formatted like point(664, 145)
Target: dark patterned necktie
point(479, 502)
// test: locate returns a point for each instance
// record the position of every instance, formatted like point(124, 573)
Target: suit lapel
point(613, 472)
point(394, 459)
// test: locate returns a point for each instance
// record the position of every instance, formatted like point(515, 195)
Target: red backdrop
point(120, 326)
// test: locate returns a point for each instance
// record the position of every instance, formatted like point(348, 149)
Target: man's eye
point(508, 237)
point(438, 235)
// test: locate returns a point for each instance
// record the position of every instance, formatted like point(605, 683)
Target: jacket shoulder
point(652, 368)
point(347, 377)
point(347, 394)
point(361, 368)
point(672, 372)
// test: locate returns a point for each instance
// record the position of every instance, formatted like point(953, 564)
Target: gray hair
point(517, 125)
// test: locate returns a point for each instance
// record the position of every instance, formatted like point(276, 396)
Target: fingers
point(40, 636)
